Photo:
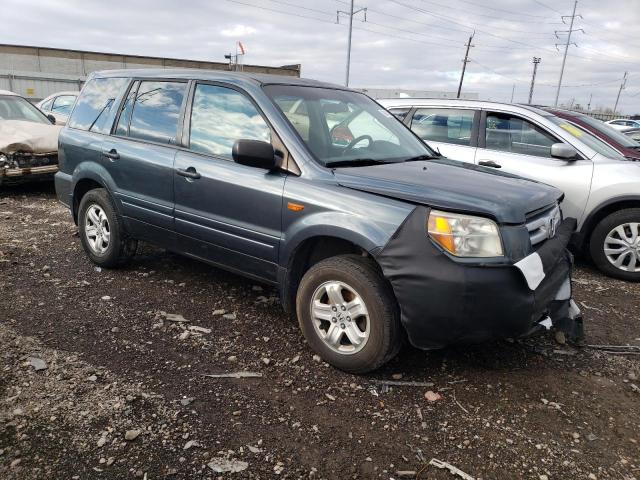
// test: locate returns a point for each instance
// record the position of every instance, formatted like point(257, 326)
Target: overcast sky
point(413, 44)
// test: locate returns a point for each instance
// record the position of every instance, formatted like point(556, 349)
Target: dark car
point(369, 240)
point(616, 138)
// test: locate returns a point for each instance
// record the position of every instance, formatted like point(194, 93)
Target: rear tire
point(616, 239)
point(102, 232)
point(348, 313)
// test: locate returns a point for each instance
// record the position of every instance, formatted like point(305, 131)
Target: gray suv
point(318, 190)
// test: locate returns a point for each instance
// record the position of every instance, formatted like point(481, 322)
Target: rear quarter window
point(96, 103)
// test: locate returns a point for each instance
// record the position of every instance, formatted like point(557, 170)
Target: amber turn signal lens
point(440, 230)
point(295, 207)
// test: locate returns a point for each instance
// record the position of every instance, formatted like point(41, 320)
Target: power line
point(450, 7)
point(547, 7)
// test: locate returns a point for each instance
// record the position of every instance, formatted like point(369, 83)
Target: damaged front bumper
point(445, 302)
point(21, 166)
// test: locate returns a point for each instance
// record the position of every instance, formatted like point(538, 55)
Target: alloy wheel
point(96, 229)
point(340, 317)
point(622, 247)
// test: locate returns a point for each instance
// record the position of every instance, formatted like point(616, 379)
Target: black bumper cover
point(445, 302)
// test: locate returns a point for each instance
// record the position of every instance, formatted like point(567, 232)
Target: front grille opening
point(543, 225)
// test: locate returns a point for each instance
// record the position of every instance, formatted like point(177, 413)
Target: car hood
point(28, 137)
point(452, 185)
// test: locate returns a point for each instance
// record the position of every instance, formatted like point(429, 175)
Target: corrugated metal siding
point(38, 72)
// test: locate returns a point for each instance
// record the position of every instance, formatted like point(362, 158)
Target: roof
point(401, 102)
point(7, 92)
point(213, 75)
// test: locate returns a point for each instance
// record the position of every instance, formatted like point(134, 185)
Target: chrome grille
point(543, 225)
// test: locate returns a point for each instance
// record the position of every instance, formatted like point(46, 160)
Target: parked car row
point(441, 228)
point(602, 188)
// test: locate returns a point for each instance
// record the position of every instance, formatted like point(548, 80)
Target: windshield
point(586, 137)
point(17, 108)
point(609, 131)
point(345, 127)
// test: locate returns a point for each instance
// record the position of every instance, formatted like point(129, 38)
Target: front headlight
point(465, 235)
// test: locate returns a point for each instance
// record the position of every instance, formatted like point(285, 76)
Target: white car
point(59, 105)
point(624, 123)
point(28, 140)
point(602, 188)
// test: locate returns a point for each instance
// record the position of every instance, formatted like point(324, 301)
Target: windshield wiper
point(355, 162)
point(421, 157)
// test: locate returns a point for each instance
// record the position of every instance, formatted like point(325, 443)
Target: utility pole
point(465, 61)
point(536, 61)
point(350, 13)
point(566, 46)
point(622, 85)
point(513, 91)
point(589, 104)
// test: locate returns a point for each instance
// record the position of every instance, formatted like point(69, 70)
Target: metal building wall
point(38, 72)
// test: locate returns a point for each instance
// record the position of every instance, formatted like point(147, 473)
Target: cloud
point(238, 31)
point(416, 47)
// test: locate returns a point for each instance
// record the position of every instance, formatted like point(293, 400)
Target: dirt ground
point(97, 382)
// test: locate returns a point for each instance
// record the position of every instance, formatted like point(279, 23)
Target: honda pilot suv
point(318, 190)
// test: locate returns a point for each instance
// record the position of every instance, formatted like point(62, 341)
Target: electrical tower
point(465, 61)
point(350, 13)
point(566, 46)
point(622, 86)
point(536, 61)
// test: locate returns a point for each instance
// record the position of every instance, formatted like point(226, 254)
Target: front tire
point(102, 231)
point(348, 313)
point(615, 244)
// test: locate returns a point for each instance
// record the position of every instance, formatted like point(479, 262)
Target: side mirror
point(564, 151)
point(254, 153)
point(52, 119)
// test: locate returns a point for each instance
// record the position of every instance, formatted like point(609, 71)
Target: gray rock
point(224, 465)
point(37, 363)
point(229, 316)
point(131, 435)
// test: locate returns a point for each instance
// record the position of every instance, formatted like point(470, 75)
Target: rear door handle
point(111, 154)
point(489, 163)
point(189, 173)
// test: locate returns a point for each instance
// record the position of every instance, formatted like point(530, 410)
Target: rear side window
point(95, 104)
point(219, 117)
point(156, 111)
point(446, 125)
point(63, 104)
point(513, 134)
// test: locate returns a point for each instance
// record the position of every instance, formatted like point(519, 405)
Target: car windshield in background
point(17, 108)
point(341, 127)
point(587, 138)
point(609, 131)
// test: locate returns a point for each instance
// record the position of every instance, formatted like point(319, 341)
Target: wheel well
point(597, 216)
point(307, 254)
point(82, 187)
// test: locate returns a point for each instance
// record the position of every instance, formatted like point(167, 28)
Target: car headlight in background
point(465, 235)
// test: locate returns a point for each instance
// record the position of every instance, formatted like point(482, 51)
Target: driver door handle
point(189, 173)
point(111, 154)
point(489, 163)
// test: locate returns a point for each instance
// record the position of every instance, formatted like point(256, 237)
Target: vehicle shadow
point(28, 189)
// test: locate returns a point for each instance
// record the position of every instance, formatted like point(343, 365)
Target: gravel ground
point(99, 381)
